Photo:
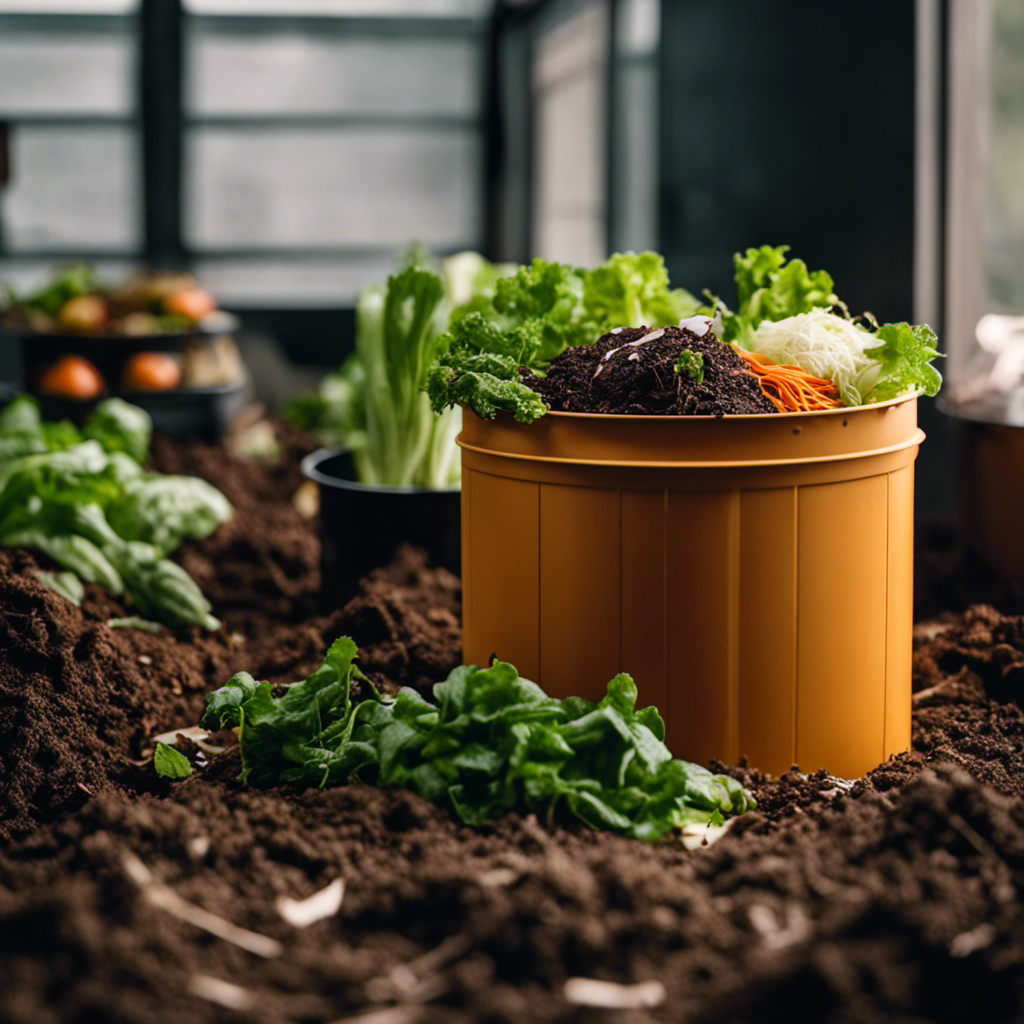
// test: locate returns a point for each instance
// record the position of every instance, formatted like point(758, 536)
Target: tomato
point(83, 313)
point(72, 377)
point(151, 371)
point(192, 303)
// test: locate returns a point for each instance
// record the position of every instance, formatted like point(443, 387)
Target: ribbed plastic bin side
point(753, 574)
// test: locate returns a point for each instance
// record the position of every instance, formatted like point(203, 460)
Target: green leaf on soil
point(134, 622)
point(67, 584)
point(489, 743)
point(171, 763)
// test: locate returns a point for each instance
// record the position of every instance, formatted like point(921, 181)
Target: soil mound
point(632, 371)
point(80, 702)
point(266, 558)
point(901, 906)
point(406, 619)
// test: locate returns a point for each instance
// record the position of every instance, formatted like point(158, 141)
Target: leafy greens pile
point(788, 314)
point(537, 313)
point(83, 499)
point(374, 405)
point(490, 743)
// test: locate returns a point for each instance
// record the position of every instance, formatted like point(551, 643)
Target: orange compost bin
point(752, 573)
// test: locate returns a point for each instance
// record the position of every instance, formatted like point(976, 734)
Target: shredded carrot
point(789, 388)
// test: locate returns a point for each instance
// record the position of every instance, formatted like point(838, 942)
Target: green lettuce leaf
point(398, 338)
point(535, 314)
point(770, 287)
point(489, 743)
point(632, 290)
point(165, 510)
point(904, 357)
point(66, 584)
point(120, 427)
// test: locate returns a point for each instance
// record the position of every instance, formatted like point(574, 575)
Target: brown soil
point(621, 373)
point(895, 897)
point(80, 701)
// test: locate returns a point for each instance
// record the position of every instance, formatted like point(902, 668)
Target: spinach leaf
point(165, 510)
point(489, 743)
point(120, 427)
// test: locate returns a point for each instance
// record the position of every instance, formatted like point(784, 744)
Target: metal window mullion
point(160, 76)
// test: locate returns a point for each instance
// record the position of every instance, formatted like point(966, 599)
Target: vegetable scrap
point(67, 584)
point(811, 354)
point(374, 405)
point(72, 377)
point(536, 314)
point(170, 763)
point(790, 388)
point(862, 370)
point(164, 898)
point(610, 995)
point(76, 302)
point(83, 499)
point(151, 371)
point(489, 743)
point(692, 364)
point(321, 905)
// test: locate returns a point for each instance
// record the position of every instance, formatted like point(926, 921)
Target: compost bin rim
point(726, 464)
point(310, 470)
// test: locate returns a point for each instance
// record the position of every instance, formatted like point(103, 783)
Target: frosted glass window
point(985, 198)
point(276, 284)
point(71, 187)
point(1005, 222)
point(64, 73)
point(569, 83)
point(329, 187)
point(296, 71)
point(68, 6)
point(347, 8)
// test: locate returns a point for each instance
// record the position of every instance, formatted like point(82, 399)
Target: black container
point(36, 350)
point(363, 525)
point(182, 412)
point(202, 412)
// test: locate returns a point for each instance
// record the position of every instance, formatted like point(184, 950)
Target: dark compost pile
point(895, 897)
point(633, 371)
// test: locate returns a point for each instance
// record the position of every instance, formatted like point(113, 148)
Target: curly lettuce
point(770, 287)
point(536, 314)
point(902, 362)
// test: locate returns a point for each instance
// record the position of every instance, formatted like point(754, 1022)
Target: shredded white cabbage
point(825, 345)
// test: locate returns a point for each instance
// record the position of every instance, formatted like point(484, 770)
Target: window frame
point(160, 123)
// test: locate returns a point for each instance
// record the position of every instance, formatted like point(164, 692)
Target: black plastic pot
point(363, 525)
point(202, 412)
point(182, 412)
